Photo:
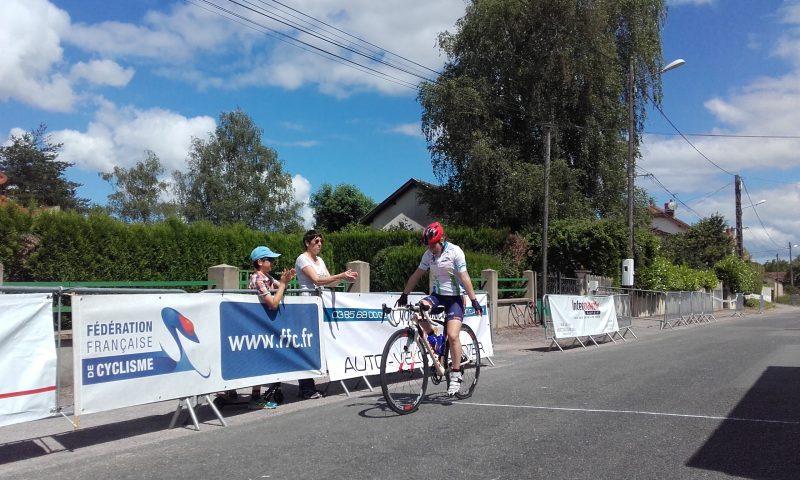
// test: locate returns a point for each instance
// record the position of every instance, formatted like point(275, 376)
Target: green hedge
point(68, 246)
point(663, 275)
point(392, 266)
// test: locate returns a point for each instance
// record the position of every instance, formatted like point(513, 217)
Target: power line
point(658, 182)
point(221, 11)
point(247, 5)
point(379, 49)
point(687, 140)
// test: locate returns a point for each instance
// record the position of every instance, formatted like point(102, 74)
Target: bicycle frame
point(417, 313)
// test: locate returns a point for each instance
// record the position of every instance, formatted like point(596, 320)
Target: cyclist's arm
point(413, 280)
point(467, 282)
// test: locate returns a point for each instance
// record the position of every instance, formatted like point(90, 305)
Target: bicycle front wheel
point(470, 361)
point(404, 371)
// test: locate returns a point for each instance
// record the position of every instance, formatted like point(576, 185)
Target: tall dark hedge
point(68, 246)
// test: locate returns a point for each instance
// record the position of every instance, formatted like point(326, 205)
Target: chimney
point(668, 209)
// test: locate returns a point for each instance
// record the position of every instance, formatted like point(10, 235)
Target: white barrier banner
point(578, 316)
point(28, 358)
point(137, 349)
point(355, 332)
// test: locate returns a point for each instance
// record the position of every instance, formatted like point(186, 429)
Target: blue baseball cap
point(262, 252)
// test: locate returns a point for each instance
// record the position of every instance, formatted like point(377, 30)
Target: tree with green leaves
point(233, 178)
point(703, 245)
point(518, 68)
point(337, 207)
point(738, 276)
point(138, 192)
point(35, 175)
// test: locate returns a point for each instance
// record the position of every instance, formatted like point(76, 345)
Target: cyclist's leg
point(455, 312)
point(453, 327)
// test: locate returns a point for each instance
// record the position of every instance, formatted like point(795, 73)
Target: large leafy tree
point(517, 68)
point(703, 245)
point(337, 207)
point(233, 178)
point(138, 191)
point(35, 174)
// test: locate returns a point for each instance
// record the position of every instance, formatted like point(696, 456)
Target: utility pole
point(739, 241)
point(546, 212)
point(631, 159)
point(791, 271)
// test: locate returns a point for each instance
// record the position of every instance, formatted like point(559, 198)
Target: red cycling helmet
point(432, 233)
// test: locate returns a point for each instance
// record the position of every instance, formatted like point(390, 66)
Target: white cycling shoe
point(455, 383)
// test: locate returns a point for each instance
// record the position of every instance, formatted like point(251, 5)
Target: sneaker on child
point(455, 383)
point(262, 403)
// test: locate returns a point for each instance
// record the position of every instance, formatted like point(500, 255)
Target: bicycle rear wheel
point(404, 371)
point(470, 361)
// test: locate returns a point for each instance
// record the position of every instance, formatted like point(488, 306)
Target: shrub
point(738, 275)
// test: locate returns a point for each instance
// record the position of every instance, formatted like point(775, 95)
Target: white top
point(444, 269)
point(319, 268)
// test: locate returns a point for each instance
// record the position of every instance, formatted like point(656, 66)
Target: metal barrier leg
point(346, 391)
point(188, 401)
point(215, 410)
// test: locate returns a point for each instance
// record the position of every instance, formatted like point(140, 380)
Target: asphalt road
point(718, 400)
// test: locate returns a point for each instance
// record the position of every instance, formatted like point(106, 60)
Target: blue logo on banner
point(257, 341)
point(172, 357)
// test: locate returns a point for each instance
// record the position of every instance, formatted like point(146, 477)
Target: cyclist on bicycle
point(450, 279)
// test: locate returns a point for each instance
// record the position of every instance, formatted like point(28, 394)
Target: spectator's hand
point(477, 306)
point(403, 300)
point(287, 275)
point(350, 275)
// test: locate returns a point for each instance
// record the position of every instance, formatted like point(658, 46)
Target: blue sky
point(111, 79)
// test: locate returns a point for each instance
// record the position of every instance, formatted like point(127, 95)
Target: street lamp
point(631, 144)
point(791, 270)
point(755, 204)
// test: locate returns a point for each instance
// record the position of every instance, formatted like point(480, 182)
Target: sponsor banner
point(27, 358)
point(355, 331)
point(578, 316)
point(137, 349)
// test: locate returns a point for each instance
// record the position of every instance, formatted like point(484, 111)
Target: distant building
point(403, 208)
point(664, 222)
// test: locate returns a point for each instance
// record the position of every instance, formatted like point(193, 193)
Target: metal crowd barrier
point(64, 359)
point(622, 305)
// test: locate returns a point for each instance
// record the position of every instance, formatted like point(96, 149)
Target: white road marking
point(633, 412)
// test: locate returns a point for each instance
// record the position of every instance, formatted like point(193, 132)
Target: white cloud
point(302, 194)
point(102, 72)
point(410, 129)
point(30, 32)
point(119, 137)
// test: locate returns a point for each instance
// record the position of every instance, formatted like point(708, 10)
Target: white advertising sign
point(579, 316)
point(27, 358)
point(355, 331)
point(137, 349)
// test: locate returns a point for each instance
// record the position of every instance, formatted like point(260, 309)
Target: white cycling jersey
point(444, 269)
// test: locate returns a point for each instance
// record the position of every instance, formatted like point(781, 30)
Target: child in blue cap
point(260, 280)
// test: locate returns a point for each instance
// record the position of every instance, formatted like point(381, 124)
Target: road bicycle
point(408, 358)
point(523, 315)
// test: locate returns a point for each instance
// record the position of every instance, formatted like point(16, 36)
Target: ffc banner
point(137, 349)
point(27, 358)
point(355, 331)
point(577, 316)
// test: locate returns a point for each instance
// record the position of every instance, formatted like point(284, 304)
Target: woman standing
point(312, 273)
